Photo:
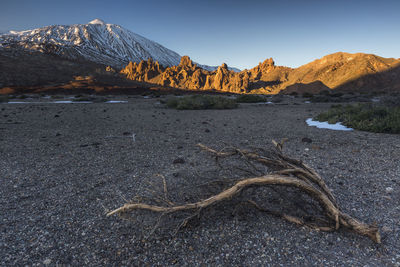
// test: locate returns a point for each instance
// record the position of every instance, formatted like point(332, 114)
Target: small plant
point(3, 99)
point(364, 117)
point(201, 102)
point(337, 94)
point(22, 96)
point(250, 99)
point(307, 95)
point(83, 99)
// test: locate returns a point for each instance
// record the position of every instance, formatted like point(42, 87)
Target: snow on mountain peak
point(106, 44)
point(97, 21)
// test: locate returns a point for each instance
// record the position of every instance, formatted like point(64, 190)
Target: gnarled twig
point(290, 173)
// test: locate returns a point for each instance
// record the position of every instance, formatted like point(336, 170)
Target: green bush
point(364, 117)
point(22, 96)
point(3, 99)
point(307, 95)
point(83, 99)
point(201, 102)
point(250, 99)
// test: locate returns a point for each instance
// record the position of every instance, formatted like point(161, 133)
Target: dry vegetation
point(264, 169)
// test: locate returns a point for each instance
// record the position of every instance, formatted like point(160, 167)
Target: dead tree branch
point(288, 172)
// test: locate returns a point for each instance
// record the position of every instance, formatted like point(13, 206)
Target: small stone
point(389, 190)
point(306, 140)
point(386, 229)
point(178, 161)
point(47, 261)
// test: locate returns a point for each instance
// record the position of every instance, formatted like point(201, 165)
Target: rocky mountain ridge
point(344, 71)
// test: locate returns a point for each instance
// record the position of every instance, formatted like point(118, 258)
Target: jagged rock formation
point(342, 71)
point(187, 75)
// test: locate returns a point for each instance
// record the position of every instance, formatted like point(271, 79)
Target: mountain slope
point(343, 71)
point(96, 41)
point(339, 68)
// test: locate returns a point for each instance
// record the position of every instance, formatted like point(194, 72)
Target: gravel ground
point(62, 166)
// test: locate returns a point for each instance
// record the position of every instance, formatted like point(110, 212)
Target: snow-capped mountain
point(107, 44)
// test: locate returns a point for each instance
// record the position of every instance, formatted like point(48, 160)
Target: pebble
point(389, 190)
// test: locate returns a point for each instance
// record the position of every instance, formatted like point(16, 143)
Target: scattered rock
point(306, 140)
point(178, 161)
point(389, 190)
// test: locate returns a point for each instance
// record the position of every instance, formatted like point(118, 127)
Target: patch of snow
point(117, 101)
point(97, 21)
point(325, 125)
point(71, 102)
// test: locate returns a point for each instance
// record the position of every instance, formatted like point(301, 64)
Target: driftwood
point(286, 172)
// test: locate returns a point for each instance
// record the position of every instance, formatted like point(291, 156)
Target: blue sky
point(240, 33)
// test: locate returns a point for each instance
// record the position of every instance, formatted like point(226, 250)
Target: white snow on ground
point(325, 125)
point(117, 101)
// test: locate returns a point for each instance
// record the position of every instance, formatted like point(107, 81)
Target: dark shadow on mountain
point(263, 84)
point(385, 81)
point(313, 87)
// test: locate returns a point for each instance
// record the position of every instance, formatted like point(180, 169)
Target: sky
point(239, 33)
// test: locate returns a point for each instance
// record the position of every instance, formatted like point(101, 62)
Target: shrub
point(22, 96)
point(307, 95)
point(90, 99)
point(201, 102)
point(250, 99)
point(391, 101)
point(325, 92)
point(277, 99)
point(321, 99)
point(336, 94)
point(83, 99)
point(3, 99)
point(364, 117)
